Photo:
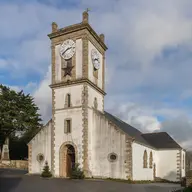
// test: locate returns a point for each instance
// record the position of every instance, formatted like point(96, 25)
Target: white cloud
point(43, 96)
point(140, 76)
point(3, 63)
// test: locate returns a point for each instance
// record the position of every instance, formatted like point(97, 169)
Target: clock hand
point(66, 50)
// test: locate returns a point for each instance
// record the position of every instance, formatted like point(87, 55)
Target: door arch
point(67, 159)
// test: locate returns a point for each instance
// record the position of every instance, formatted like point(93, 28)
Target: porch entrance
point(67, 160)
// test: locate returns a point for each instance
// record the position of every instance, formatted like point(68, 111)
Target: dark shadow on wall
point(8, 182)
point(171, 176)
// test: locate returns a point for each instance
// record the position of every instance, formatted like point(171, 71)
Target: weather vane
point(87, 10)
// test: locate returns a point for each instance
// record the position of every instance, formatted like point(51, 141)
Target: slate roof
point(160, 140)
point(131, 131)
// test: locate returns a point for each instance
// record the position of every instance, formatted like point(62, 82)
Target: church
point(81, 131)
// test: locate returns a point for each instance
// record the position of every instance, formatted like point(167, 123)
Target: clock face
point(95, 59)
point(67, 49)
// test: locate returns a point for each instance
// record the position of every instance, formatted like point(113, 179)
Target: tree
point(18, 114)
point(77, 173)
point(46, 171)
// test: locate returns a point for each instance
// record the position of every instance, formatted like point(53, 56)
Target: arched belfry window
point(68, 100)
point(95, 103)
point(145, 159)
point(151, 160)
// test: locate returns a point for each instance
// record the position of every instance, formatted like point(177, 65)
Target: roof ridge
point(119, 119)
point(123, 122)
point(154, 133)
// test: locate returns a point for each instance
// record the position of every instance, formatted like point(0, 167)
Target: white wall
point(57, 64)
point(92, 94)
point(41, 143)
point(140, 173)
point(79, 52)
point(105, 140)
point(167, 166)
point(76, 116)
point(75, 91)
point(91, 67)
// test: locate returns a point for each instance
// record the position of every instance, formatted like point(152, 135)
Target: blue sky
point(148, 75)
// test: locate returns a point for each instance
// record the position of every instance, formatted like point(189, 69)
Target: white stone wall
point(103, 140)
point(57, 64)
point(41, 143)
point(91, 67)
point(75, 91)
point(167, 166)
point(79, 61)
point(95, 94)
point(75, 113)
point(140, 173)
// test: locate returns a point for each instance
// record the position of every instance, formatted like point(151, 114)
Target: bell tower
point(78, 53)
point(78, 85)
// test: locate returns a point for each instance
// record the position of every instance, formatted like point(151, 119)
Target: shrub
point(77, 173)
point(188, 189)
point(183, 181)
point(46, 171)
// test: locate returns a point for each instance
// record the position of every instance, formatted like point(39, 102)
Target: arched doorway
point(67, 160)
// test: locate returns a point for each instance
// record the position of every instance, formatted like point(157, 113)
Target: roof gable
point(43, 127)
point(161, 140)
point(131, 131)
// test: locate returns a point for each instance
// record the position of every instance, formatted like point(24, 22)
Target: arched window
point(151, 160)
point(95, 103)
point(68, 100)
point(145, 159)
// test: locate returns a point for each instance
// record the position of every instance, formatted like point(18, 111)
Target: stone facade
point(53, 133)
point(30, 158)
point(179, 165)
point(129, 157)
point(85, 129)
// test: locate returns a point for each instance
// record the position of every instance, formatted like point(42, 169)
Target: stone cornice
point(77, 81)
point(77, 27)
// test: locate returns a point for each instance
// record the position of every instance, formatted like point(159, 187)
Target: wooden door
point(69, 165)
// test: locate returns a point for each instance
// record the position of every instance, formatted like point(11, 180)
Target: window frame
point(145, 156)
point(67, 126)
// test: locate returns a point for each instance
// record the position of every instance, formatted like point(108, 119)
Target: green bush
point(188, 189)
point(77, 173)
point(46, 171)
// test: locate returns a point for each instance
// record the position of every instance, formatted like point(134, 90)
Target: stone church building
point(81, 131)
